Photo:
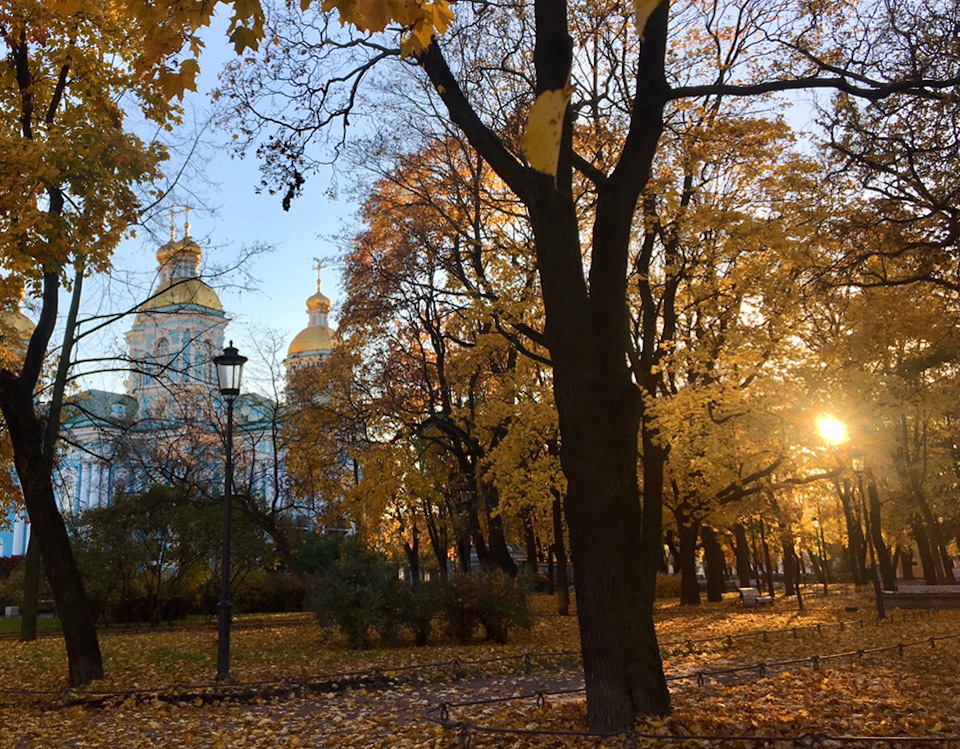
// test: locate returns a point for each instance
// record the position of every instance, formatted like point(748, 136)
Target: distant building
point(163, 429)
point(15, 330)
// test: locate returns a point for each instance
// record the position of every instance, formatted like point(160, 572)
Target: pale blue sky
point(284, 277)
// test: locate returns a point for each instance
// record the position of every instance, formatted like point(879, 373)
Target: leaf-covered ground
point(296, 685)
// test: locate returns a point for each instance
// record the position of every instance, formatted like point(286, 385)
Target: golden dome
point(179, 247)
point(184, 291)
point(312, 339)
point(318, 302)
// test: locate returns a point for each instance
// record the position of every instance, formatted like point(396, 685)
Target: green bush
point(494, 602)
point(418, 608)
point(267, 591)
point(356, 590)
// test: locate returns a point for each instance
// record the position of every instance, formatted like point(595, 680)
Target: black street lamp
point(229, 371)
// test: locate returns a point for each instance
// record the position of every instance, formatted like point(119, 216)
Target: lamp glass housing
point(229, 371)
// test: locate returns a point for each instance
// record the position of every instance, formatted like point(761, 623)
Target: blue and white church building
point(163, 428)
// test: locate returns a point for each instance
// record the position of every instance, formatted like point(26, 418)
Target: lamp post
point(229, 371)
point(857, 464)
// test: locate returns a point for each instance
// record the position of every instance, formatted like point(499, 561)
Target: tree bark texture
point(46, 523)
point(714, 564)
point(687, 533)
point(741, 546)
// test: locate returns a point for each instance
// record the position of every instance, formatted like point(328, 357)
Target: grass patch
point(11, 625)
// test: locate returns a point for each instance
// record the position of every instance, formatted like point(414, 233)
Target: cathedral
point(164, 429)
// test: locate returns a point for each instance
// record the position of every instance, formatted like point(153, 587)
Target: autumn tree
point(69, 177)
point(435, 361)
point(603, 376)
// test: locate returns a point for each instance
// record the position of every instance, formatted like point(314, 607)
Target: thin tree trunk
point(856, 547)
point(688, 532)
point(560, 550)
point(790, 566)
point(531, 563)
point(887, 573)
point(926, 554)
point(670, 541)
point(31, 591)
point(767, 562)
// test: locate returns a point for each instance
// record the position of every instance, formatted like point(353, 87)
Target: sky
point(273, 288)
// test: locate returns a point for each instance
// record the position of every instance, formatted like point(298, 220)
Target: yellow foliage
point(418, 19)
point(66, 141)
point(541, 142)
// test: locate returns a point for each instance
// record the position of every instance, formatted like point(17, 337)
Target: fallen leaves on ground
point(159, 690)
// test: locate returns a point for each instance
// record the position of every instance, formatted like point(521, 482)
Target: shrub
point(418, 608)
point(357, 591)
point(267, 591)
point(494, 602)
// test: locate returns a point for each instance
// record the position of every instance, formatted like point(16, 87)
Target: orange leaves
point(880, 695)
point(419, 19)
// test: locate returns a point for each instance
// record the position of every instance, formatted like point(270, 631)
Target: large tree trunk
point(615, 543)
point(713, 563)
point(741, 547)
point(888, 576)
point(46, 523)
point(688, 530)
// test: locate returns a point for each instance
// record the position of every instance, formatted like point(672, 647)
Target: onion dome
point(318, 337)
point(184, 291)
point(178, 261)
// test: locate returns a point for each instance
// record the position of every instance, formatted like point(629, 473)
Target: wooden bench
point(751, 598)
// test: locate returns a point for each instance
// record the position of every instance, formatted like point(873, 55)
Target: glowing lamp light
point(831, 429)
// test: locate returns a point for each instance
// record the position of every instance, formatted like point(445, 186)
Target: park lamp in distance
point(229, 371)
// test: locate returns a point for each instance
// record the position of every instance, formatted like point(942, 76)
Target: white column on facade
point(21, 535)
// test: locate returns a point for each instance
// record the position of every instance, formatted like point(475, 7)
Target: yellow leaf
point(643, 9)
point(541, 142)
point(189, 69)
